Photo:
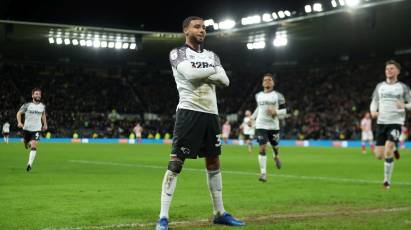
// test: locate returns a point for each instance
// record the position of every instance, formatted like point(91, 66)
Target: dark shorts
point(6, 134)
point(265, 135)
point(385, 133)
point(196, 134)
point(248, 137)
point(30, 136)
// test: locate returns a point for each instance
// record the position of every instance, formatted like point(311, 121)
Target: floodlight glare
point(118, 45)
point(267, 18)
point(317, 7)
point(209, 22)
point(96, 44)
point(352, 3)
point(51, 40)
point(287, 13)
point(226, 24)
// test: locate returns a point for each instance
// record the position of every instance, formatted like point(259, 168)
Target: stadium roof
point(139, 15)
point(377, 30)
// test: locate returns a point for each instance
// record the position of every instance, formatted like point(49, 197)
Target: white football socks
point(167, 190)
point(32, 156)
point(388, 169)
point(214, 181)
point(262, 160)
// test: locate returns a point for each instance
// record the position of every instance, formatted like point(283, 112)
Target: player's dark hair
point(269, 75)
point(35, 89)
point(393, 62)
point(187, 21)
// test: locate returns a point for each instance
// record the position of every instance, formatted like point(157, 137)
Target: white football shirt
point(32, 116)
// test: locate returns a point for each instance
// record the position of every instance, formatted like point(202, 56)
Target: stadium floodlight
point(51, 40)
point(281, 14)
point(342, 2)
point(226, 24)
point(118, 45)
point(275, 16)
point(74, 42)
point(308, 9)
point(215, 26)
point(82, 42)
point(287, 13)
point(251, 20)
point(125, 45)
point(317, 7)
point(244, 21)
point(334, 3)
point(209, 22)
point(67, 41)
point(111, 45)
point(267, 18)
point(89, 43)
point(59, 41)
point(259, 45)
point(280, 39)
point(256, 45)
point(133, 46)
point(352, 3)
point(96, 43)
point(103, 44)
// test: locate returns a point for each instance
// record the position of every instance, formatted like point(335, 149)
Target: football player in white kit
point(6, 132)
point(270, 106)
point(34, 122)
point(248, 129)
point(366, 133)
point(197, 132)
point(389, 101)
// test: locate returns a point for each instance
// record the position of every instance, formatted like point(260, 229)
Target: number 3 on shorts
point(395, 134)
point(218, 140)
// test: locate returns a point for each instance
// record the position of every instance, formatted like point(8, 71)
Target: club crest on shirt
point(173, 55)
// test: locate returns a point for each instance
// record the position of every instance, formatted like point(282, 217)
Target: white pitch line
point(251, 219)
point(332, 179)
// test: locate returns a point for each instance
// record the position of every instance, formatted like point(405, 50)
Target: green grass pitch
point(113, 186)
